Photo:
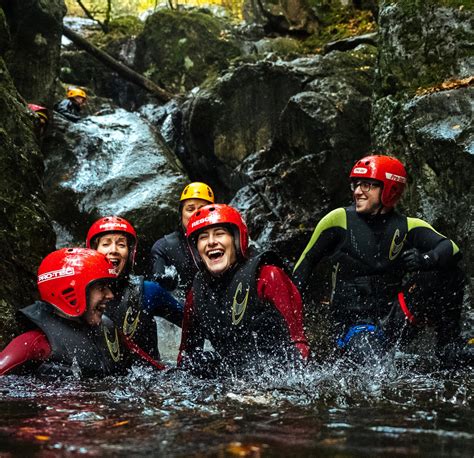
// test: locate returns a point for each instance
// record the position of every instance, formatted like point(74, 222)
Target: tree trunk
point(124, 71)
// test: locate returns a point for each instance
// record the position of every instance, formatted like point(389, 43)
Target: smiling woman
point(242, 302)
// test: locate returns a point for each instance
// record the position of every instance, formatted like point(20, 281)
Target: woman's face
point(189, 207)
point(115, 247)
point(217, 250)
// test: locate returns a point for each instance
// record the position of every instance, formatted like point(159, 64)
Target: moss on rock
point(181, 49)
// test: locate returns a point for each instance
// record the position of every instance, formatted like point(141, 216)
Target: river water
point(387, 408)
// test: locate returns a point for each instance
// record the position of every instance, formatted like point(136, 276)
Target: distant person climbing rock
point(172, 265)
point(372, 247)
point(41, 118)
point(241, 301)
point(72, 105)
point(136, 301)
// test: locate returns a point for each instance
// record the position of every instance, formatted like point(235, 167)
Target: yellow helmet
point(76, 92)
point(198, 190)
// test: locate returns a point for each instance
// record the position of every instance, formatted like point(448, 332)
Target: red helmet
point(218, 215)
point(64, 276)
point(41, 112)
point(109, 224)
point(388, 170)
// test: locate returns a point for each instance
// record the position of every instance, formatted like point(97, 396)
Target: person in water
point(172, 265)
point(75, 286)
point(241, 301)
point(136, 301)
point(72, 105)
point(372, 247)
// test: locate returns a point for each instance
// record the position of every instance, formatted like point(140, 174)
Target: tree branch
point(124, 71)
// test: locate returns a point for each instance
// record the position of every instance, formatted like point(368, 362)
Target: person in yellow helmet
point(72, 105)
point(172, 265)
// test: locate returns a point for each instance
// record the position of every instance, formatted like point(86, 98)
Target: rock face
point(281, 134)
point(33, 58)
point(26, 234)
point(179, 50)
point(113, 164)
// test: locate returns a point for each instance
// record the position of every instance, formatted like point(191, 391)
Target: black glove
point(414, 260)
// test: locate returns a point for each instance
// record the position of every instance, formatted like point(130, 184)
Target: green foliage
point(338, 23)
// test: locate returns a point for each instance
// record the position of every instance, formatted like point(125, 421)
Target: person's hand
point(415, 260)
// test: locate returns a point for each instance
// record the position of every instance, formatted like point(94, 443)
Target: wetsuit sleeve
point(30, 346)
point(159, 302)
point(162, 272)
point(422, 236)
point(274, 286)
point(327, 235)
point(192, 339)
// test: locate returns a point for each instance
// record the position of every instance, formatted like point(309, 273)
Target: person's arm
point(30, 346)
point(191, 337)
point(329, 232)
point(161, 270)
point(159, 302)
point(428, 249)
point(274, 286)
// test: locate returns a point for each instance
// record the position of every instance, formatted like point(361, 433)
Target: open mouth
point(213, 255)
point(115, 262)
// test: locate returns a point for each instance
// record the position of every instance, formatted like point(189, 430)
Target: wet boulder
point(423, 43)
point(180, 49)
point(280, 134)
point(113, 164)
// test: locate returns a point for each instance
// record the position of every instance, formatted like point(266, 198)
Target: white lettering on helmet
point(111, 226)
point(208, 219)
point(393, 177)
point(360, 170)
point(54, 274)
point(113, 272)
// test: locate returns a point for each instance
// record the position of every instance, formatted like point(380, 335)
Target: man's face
point(217, 250)
point(99, 295)
point(116, 249)
point(79, 100)
point(367, 196)
point(189, 207)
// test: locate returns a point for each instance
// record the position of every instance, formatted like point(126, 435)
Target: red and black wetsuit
point(63, 346)
point(366, 253)
point(251, 313)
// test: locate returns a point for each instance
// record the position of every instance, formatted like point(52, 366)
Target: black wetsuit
point(172, 264)
point(251, 314)
point(137, 303)
point(69, 110)
point(368, 269)
point(91, 350)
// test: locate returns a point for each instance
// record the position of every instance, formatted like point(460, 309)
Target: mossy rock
point(424, 43)
point(180, 49)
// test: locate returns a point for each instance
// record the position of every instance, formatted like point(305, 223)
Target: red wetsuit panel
point(30, 346)
point(274, 286)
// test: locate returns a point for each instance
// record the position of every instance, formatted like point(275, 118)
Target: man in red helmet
point(136, 301)
point(75, 286)
point(41, 118)
point(242, 302)
point(372, 247)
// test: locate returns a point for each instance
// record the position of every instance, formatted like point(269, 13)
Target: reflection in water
point(321, 410)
